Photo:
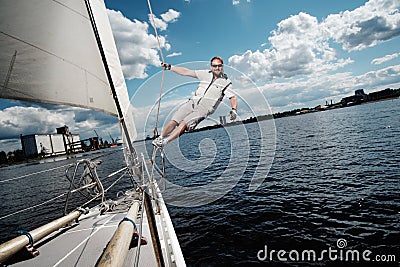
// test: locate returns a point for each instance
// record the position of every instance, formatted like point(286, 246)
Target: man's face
point(217, 67)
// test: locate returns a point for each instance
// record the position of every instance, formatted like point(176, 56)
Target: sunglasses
point(217, 65)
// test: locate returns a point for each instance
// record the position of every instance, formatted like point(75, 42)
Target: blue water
point(334, 176)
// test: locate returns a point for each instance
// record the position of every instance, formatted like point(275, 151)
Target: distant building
point(61, 143)
point(358, 97)
point(320, 107)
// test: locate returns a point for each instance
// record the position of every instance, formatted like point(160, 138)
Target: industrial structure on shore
point(63, 142)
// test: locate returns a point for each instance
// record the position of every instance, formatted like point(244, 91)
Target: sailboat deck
point(81, 244)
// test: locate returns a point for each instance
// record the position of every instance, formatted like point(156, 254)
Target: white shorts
point(191, 114)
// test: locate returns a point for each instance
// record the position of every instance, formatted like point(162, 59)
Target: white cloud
point(160, 24)
point(389, 76)
point(298, 47)
point(302, 46)
point(170, 16)
point(237, 2)
point(31, 120)
point(378, 61)
point(175, 54)
point(10, 145)
point(138, 48)
point(366, 26)
point(18, 120)
point(298, 93)
point(293, 93)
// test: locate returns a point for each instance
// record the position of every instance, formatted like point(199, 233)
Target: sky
point(280, 55)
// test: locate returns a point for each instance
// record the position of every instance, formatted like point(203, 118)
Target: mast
point(112, 87)
point(137, 170)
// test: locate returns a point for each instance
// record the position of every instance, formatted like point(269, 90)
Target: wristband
point(166, 66)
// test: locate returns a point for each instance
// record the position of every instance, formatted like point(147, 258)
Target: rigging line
point(155, 167)
point(154, 164)
point(162, 60)
point(32, 207)
point(26, 175)
point(159, 103)
point(116, 181)
point(151, 177)
point(114, 173)
point(155, 30)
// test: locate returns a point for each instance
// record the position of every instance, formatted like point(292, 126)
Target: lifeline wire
point(32, 207)
point(30, 174)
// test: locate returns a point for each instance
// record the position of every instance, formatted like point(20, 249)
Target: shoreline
point(250, 120)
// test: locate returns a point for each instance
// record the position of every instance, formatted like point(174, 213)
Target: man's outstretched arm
point(179, 70)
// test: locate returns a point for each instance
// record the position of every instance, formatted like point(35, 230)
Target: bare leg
point(169, 128)
point(177, 131)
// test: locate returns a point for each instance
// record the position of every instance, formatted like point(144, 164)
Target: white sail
point(48, 53)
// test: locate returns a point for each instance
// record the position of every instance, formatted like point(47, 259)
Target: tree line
point(12, 157)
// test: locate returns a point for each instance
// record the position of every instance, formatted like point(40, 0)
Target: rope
point(162, 60)
point(116, 181)
point(151, 176)
point(155, 30)
point(114, 173)
point(159, 104)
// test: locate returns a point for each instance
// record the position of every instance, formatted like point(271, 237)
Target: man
point(213, 86)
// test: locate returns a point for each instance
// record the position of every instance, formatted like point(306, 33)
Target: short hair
point(217, 57)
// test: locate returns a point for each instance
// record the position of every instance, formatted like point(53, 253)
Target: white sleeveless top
point(210, 93)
